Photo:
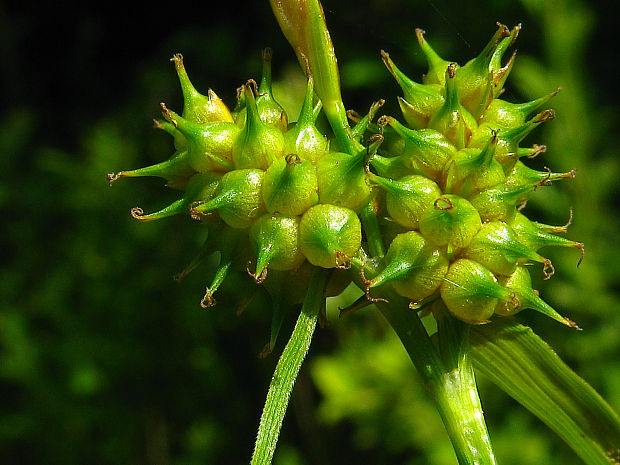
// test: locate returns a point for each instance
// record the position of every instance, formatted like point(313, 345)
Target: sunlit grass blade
point(288, 368)
point(526, 368)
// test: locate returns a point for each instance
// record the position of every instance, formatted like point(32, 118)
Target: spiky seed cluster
point(451, 184)
point(456, 185)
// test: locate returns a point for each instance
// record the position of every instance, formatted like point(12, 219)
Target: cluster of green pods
point(447, 188)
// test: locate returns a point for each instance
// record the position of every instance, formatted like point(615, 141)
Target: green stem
point(462, 411)
point(446, 371)
point(337, 117)
point(370, 223)
point(287, 369)
point(450, 382)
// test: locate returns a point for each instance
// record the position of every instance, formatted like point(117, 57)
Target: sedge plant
point(424, 211)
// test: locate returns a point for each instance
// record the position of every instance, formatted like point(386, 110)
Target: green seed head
point(445, 187)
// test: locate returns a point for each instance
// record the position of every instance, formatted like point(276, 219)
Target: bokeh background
point(104, 359)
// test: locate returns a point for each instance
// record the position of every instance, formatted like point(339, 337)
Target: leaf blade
point(526, 368)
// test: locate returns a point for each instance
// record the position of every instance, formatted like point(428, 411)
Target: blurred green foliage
point(104, 359)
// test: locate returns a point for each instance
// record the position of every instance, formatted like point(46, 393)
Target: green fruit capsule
point(452, 119)
point(436, 65)
point(209, 145)
point(239, 198)
point(330, 235)
point(475, 78)
point(290, 186)
point(521, 176)
point(304, 138)
point(520, 283)
point(420, 101)
point(258, 144)
point(269, 110)
point(176, 170)
point(342, 177)
point(201, 187)
point(503, 114)
point(414, 267)
point(471, 292)
point(474, 170)
point(408, 198)
point(452, 221)
point(199, 108)
point(536, 236)
point(507, 152)
point(496, 247)
point(500, 202)
point(426, 150)
point(276, 241)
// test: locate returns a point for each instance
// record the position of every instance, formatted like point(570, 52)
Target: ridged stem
point(288, 368)
point(451, 386)
point(303, 24)
point(446, 372)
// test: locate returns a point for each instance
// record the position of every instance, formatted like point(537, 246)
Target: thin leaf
point(526, 368)
point(287, 370)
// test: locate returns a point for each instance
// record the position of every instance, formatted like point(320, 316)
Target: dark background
point(105, 360)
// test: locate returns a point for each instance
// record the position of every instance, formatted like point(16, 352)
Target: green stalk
point(303, 24)
point(451, 386)
point(288, 368)
point(446, 371)
point(463, 408)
